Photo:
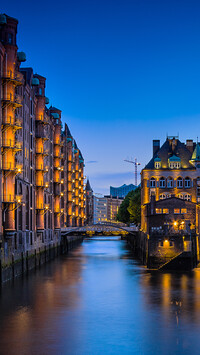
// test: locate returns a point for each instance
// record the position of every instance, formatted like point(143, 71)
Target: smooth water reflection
point(99, 300)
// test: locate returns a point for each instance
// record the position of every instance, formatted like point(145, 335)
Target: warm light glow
point(61, 193)
point(175, 224)
point(62, 181)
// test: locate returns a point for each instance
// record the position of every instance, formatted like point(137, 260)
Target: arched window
point(187, 197)
point(179, 182)
point(152, 182)
point(162, 196)
point(187, 182)
point(180, 196)
point(170, 183)
point(168, 195)
point(162, 182)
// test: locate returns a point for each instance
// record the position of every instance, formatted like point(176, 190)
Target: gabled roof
point(196, 153)
point(88, 187)
point(168, 150)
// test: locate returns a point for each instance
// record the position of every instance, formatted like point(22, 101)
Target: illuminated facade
point(38, 160)
point(113, 204)
point(74, 189)
point(173, 171)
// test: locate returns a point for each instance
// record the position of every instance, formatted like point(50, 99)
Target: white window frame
point(187, 183)
point(170, 182)
point(187, 197)
point(179, 183)
point(162, 183)
point(157, 165)
point(152, 182)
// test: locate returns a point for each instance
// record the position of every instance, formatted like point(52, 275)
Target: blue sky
point(122, 72)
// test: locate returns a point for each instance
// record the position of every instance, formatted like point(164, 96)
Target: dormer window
point(174, 162)
point(157, 163)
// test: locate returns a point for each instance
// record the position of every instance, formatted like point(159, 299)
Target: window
point(160, 244)
point(176, 210)
point(187, 182)
point(170, 183)
point(165, 210)
point(157, 165)
point(180, 196)
point(162, 196)
point(40, 91)
point(174, 165)
point(187, 197)
point(158, 210)
point(162, 182)
point(179, 183)
point(171, 244)
point(10, 38)
point(183, 210)
point(152, 182)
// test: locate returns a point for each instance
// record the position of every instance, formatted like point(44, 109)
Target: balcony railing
point(42, 119)
point(42, 151)
point(17, 78)
point(39, 167)
point(16, 100)
point(39, 183)
point(39, 206)
point(10, 121)
point(11, 144)
point(8, 198)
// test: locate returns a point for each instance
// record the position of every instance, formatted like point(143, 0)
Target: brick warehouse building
point(35, 165)
point(170, 193)
point(173, 170)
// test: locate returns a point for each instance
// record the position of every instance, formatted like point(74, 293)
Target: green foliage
point(130, 209)
point(134, 207)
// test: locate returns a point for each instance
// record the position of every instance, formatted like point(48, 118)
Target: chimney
point(189, 145)
point(156, 146)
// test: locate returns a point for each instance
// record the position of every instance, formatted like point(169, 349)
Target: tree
point(123, 214)
point(134, 207)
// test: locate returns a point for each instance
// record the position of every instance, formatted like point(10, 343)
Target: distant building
point(100, 209)
point(89, 203)
point(105, 208)
point(121, 191)
point(113, 204)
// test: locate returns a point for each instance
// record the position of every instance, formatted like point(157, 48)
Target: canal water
point(99, 300)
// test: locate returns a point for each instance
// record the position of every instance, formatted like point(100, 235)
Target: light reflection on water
point(99, 300)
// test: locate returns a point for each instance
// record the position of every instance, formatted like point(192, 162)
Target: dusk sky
point(122, 72)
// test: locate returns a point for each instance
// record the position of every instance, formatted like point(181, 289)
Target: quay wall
point(23, 263)
point(158, 251)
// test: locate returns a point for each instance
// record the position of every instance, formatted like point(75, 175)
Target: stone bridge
point(99, 229)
